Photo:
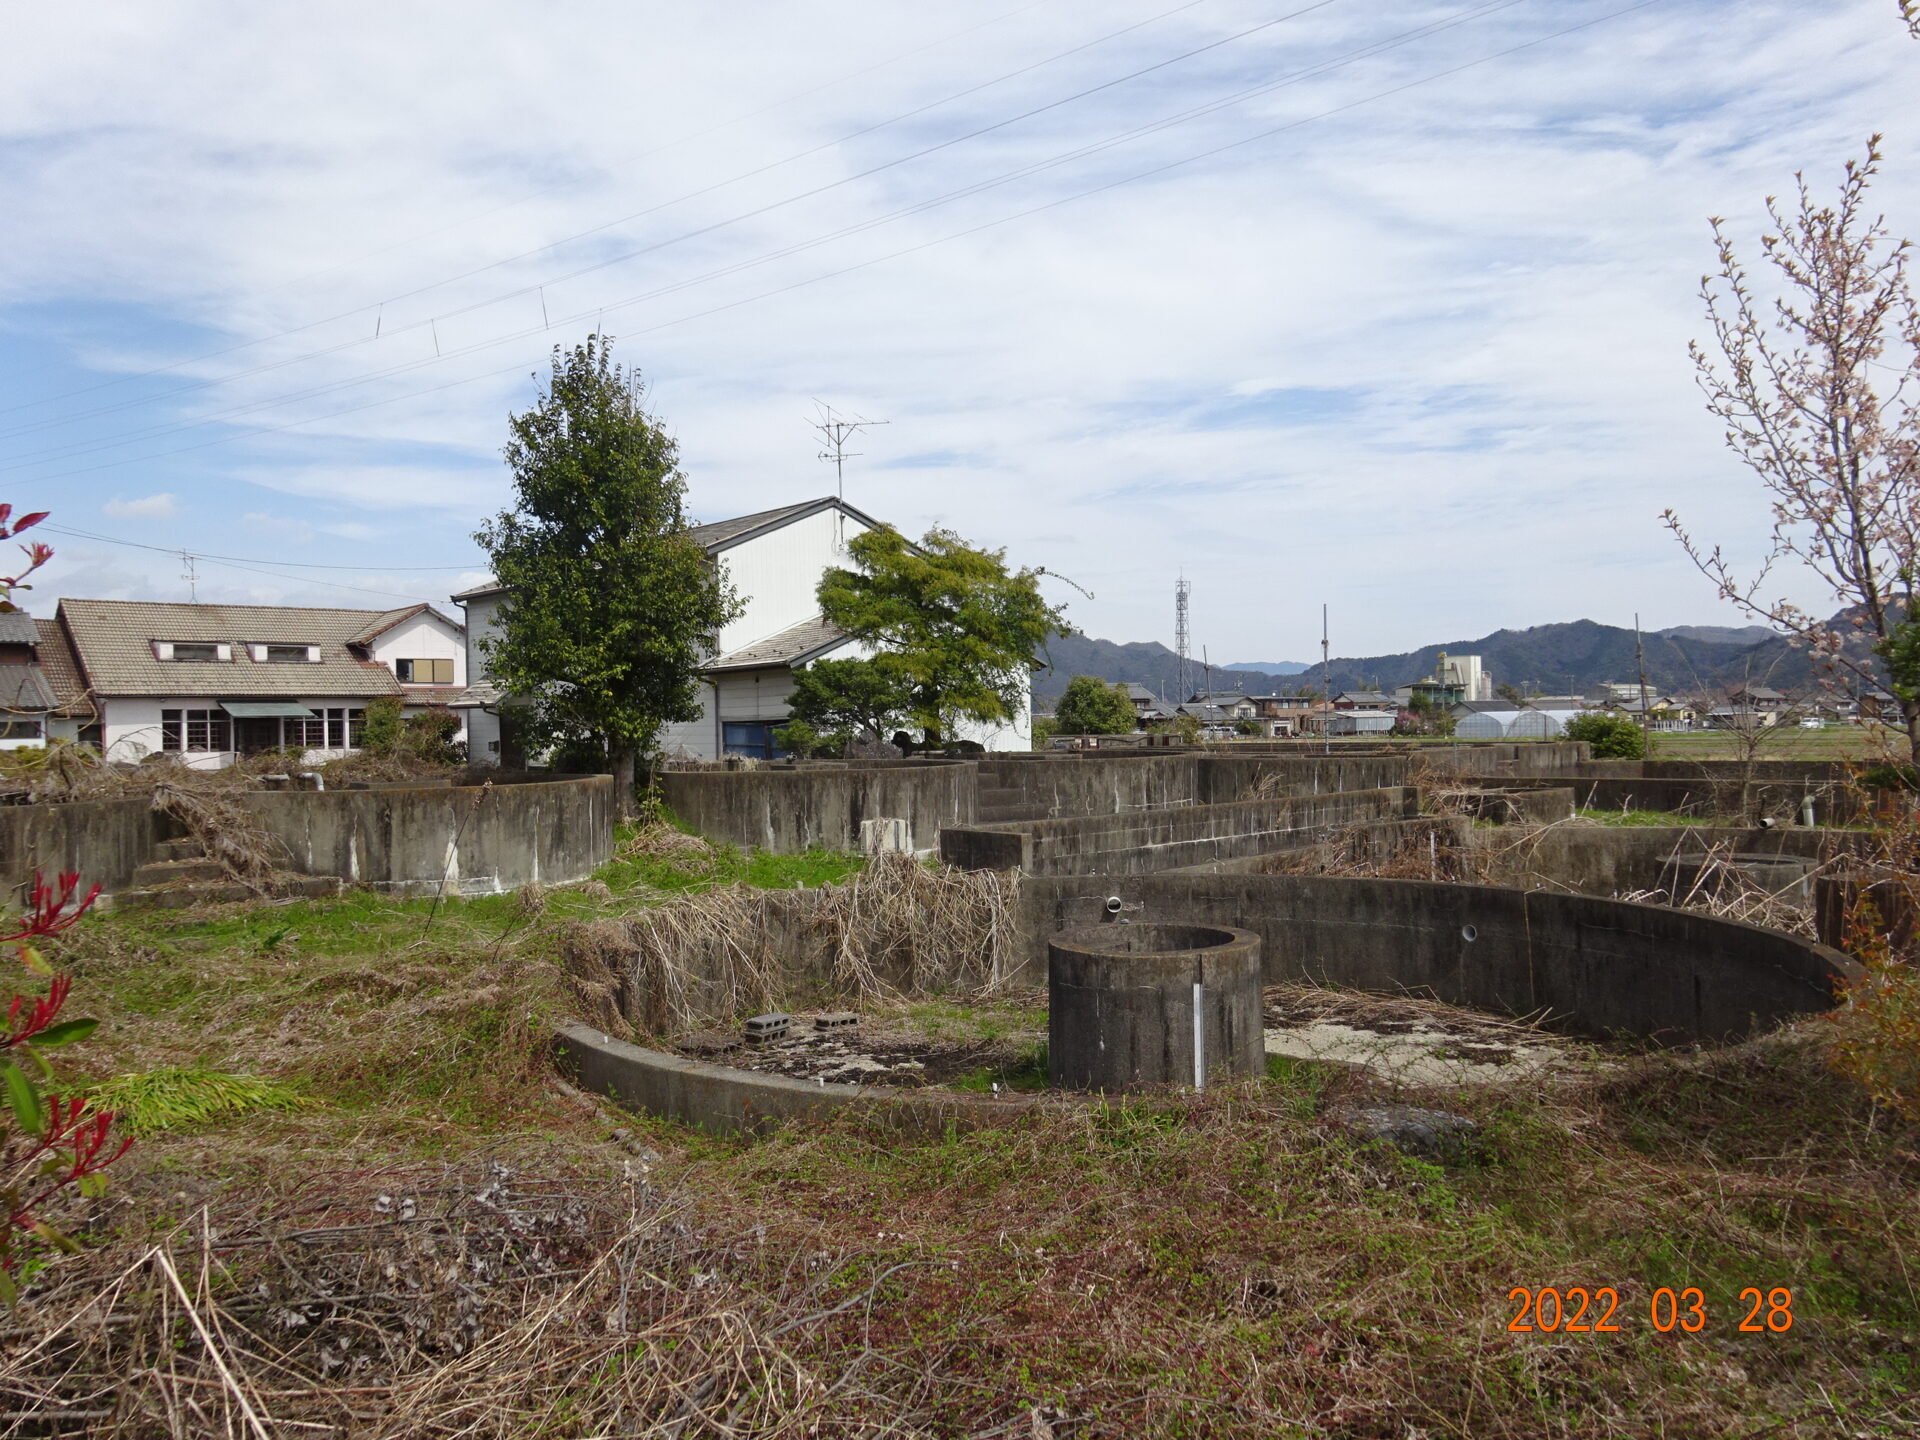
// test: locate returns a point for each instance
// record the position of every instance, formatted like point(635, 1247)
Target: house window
point(283, 654)
point(312, 734)
point(195, 651)
point(424, 672)
point(745, 739)
point(195, 730)
point(20, 730)
point(343, 728)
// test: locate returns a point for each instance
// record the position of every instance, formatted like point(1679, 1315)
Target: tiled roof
point(789, 647)
point(114, 640)
point(18, 628)
point(475, 696)
point(719, 535)
point(390, 618)
point(23, 691)
point(61, 671)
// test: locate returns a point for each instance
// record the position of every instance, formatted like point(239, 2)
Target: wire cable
point(243, 559)
point(374, 307)
point(76, 449)
point(891, 255)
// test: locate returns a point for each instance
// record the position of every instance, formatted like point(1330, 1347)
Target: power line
point(535, 288)
point(1036, 167)
point(868, 263)
point(244, 559)
point(510, 204)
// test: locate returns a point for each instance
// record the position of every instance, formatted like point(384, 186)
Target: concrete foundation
point(1132, 1007)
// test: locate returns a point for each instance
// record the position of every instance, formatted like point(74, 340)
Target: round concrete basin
point(1132, 1007)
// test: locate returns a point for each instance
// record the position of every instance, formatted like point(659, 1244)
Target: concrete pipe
point(1134, 1006)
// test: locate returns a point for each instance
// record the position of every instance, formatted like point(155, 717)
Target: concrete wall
point(1051, 786)
point(1617, 859)
point(467, 840)
point(727, 1100)
point(1151, 840)
point(104, 841)
point(410, 841)
point(788, 810)
point(1595, 966)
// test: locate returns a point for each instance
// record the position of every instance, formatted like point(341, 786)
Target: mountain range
point(1558, 659)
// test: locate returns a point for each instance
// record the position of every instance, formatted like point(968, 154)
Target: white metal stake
point(1199, 1040)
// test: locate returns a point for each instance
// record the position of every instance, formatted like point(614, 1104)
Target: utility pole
point(1326, 695)
point(1640, 662)
point(835, 432)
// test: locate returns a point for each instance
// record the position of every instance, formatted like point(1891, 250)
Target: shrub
point(381, 733)
point(1613, 737)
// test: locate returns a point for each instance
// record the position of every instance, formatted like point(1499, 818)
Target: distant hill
point(1272, 667)
point(1544, 659)
point(1720, 634)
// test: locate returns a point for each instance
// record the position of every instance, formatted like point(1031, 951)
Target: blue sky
point(275, 275)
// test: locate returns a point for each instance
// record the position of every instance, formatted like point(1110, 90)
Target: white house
point(212, 682)
point(775, 560)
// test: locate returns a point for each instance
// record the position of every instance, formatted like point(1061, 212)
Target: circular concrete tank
point(1134, 1006)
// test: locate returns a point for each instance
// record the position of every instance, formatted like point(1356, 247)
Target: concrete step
point(179, 850)
point(162, 872)
point(1001, 814)
point(178, 897)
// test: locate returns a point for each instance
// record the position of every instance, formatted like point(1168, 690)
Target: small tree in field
point(1613, 737)
point(866, 699)
point(612, 607)
point(1090, 706)
point(1836, 447)
point(961, 627)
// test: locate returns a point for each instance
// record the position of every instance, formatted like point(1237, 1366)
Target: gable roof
point(113, 640)
point(793, 646)
point(390, 618)
point(718, 535)
point(61, 671)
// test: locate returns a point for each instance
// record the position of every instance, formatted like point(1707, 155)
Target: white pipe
point(1199, 1039)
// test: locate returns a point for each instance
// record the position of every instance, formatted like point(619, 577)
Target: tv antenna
point(836, 432)
point(191, 576)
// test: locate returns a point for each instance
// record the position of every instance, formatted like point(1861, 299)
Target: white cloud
point(147, 507)
point(1423, 358)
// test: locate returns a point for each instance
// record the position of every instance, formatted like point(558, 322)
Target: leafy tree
point(1090, 706)
point(1424, 715)
point(612, 608)
point(863, 697)
point(962, 628)
point(1613, 737)
point(382, 726)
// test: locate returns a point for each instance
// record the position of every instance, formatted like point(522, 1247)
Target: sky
point(1384, 307)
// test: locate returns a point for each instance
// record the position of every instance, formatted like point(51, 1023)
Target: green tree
point(1613, 737)
point(861, 697)
point(1090, 706)
point(383, 726)
point(612, 607)
point(963, 629)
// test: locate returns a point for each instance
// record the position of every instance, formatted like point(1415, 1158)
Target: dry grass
point(898, 928)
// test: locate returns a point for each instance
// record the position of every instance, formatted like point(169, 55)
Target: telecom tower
point(1182, 642)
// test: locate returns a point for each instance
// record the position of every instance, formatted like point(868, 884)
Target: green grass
point(1027, 1072)
point(178, 1097)
point(1643, 817)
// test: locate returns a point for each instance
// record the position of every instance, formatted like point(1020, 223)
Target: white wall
point(428, 636)
point(778, 575)
point(130, 729)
